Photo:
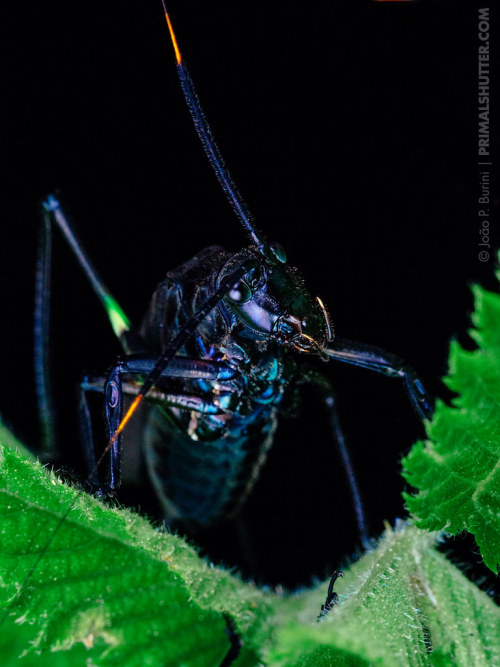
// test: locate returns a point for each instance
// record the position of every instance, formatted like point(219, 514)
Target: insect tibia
point(235, 640)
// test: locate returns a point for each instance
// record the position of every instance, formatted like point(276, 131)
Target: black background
point(351, 132)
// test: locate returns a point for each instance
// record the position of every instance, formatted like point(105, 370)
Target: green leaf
point(109, 589)
point(9, 439)
point(457, 471)
point(403, 604)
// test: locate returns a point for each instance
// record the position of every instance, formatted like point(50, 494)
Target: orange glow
point(126, 418)
point(174, 41)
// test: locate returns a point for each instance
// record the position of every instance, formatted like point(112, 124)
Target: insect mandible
point(228, 337)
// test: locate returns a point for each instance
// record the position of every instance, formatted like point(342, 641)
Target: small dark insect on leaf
point(331, 597)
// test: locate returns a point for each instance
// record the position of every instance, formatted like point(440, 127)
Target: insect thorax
point(203, 464)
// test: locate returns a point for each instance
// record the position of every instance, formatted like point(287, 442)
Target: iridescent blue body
point(204, 461)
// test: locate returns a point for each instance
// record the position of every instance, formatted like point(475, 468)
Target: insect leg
point(323, 386)
point(331, 597)
point(41, 334)
point(52, 214)
point(235, 640)
point(86, 436)
point(181, 367)
point(141, 366)
point(377, 360)
point(115, 389)
point(349, 469)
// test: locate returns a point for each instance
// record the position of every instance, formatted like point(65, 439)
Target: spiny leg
point(375, 359)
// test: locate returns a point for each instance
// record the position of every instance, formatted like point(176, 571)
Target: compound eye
point(240, 293)
point(279, 252)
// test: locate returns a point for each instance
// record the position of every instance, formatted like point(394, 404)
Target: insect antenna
point(213, 153)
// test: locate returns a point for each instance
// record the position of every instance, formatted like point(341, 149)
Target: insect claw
point(331, 597)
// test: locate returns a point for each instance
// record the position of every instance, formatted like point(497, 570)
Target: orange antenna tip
point(178, 56)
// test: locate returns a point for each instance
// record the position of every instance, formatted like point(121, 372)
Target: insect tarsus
point(331, 597)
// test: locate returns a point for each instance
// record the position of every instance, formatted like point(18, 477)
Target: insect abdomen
point(203, 481)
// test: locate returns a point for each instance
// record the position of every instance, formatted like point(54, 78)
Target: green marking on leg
point(119, 321)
